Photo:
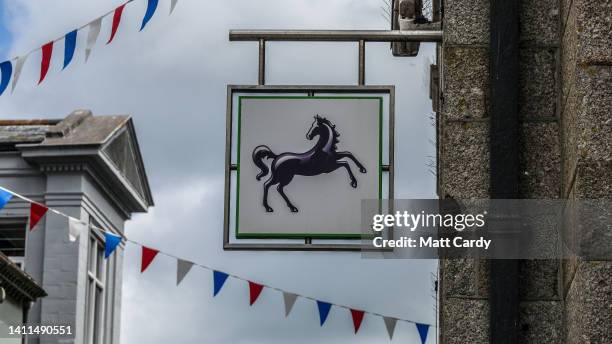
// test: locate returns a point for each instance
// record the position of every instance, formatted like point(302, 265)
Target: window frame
point(99, 291)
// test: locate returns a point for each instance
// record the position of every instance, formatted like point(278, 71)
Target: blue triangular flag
point(5, 196)
point(423, 329)
point(111, 242)
point(69, 46)
point(219, 279)
point(6, 69)
point(324, 308)
point(151, 7)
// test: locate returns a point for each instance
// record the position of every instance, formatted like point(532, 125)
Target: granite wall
point(566, 152)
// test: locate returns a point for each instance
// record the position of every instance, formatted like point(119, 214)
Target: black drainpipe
point(504, 158)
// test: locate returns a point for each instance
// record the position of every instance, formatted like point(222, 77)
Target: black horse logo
point(322, 158)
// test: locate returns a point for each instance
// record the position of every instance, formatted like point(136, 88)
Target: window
point(99, 293)
point(13, 239)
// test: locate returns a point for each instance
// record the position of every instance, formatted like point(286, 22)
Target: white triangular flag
point(92, 36)
point(75, 228)
point(17, 73)
point(289, 299)
point(182, 268)
point(172, 5)
point(390, 325)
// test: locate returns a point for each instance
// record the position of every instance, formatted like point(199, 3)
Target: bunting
point(13, 67)
point(254, 291)
point(390, 325)
point(19, 62)
point(151, 7)
point(47, 51)
point(148, 254)
point(289, 300)
point(6, 70)
point(324, 308)
point(182, 268)
point(173, 5)
point(69, 47)
point(5, 197)
point(92, 36)
point(111, 241)
point(219, 279)
point(37, 211)
point(357, 316)
point(422, 329)
point(75, 228)
point(116, 20)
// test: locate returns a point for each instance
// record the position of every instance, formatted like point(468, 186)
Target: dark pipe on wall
point(504, 158)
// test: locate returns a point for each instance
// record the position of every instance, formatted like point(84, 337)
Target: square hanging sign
point(303, 161)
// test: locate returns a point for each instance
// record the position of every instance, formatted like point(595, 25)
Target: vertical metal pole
point(308, 240)
point(504, 159)
point(361, 62)
point(262, 62)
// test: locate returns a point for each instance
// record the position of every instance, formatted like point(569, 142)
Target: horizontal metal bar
point(389, 89)
point(292, 247)
point(234, 167)
point(337, 35)
point(303, 247)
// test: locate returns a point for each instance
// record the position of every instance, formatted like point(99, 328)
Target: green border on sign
point(305, 235)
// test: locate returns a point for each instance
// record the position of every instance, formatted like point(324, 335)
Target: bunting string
point(113, 239)
point(12, 67)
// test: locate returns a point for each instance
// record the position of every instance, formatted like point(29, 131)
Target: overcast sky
point(172, 79)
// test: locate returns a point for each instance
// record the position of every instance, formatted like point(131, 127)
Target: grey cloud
point(171, 77)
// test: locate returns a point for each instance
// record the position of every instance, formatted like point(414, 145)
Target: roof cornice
point(90, 160)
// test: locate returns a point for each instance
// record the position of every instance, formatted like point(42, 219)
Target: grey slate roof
point(12, 134)
point(84, 130)
point(79, 128)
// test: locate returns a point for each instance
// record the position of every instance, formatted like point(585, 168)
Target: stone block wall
point(566, 151)
point(586, 118)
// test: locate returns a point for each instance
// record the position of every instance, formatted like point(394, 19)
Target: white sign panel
point(305, 164)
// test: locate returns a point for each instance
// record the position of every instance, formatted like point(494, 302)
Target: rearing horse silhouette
point(322, 158)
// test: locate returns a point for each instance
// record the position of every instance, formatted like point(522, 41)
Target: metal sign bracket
point(359, 36)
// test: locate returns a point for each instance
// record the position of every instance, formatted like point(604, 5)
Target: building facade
point(88, 167)
point(565, 152)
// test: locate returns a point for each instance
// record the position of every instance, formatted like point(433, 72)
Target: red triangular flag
point(116, 21)
point(357, 318)
point(47, 51)
point(254, 291)
point(37, 211)
point(148, 254)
